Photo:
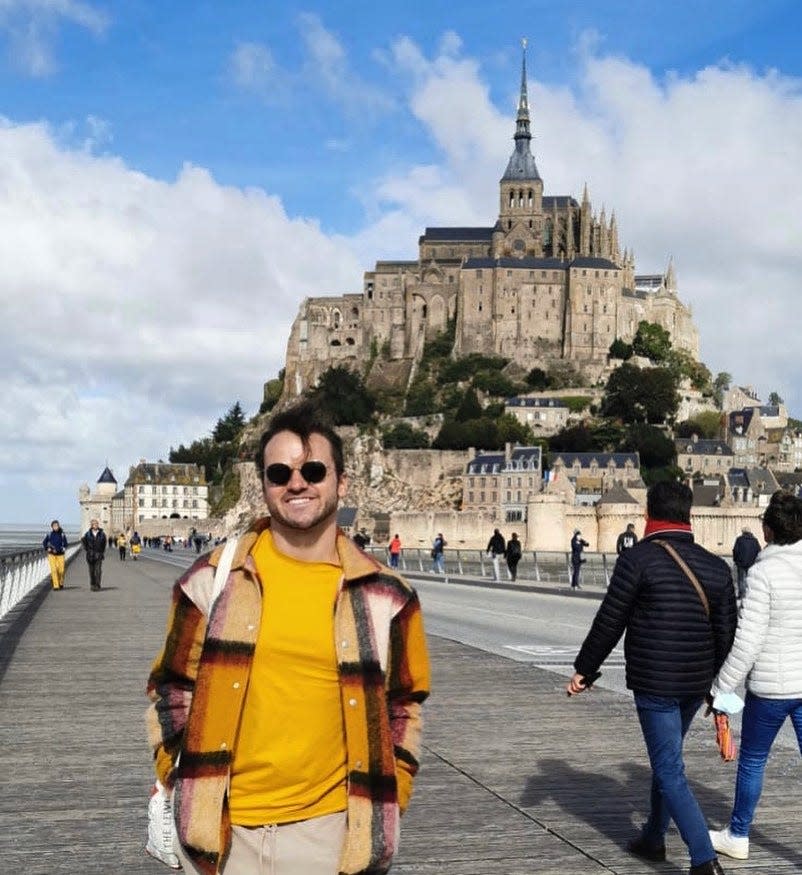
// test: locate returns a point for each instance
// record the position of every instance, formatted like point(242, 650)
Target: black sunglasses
point(278, 474)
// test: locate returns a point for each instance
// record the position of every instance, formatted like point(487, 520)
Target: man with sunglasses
point(305, 681)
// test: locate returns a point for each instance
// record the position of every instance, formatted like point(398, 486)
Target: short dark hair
point(784, 517)
point(669, 500)
point(303, 419)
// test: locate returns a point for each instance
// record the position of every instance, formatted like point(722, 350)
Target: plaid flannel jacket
point(198, 681)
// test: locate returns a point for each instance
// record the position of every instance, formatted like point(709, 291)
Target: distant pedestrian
point(136, 546)
point(438, 546)
point(395, 551)
point(94, 542)
point(361, 539)
point(122, 546)
point(765, 656)
point(744, 553)
point(578, 544)
point(675, 603)
point(513, 555)
point(626, 540)
point(55, 543)
point(496, 547)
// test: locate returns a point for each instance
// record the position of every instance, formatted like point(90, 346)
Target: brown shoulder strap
point(691, 576)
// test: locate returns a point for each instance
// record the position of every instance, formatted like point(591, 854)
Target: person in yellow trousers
point(55, 543)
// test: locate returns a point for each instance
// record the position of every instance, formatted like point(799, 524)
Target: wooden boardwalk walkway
point(516, 779)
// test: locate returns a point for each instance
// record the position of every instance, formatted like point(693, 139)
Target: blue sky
point(177, 177)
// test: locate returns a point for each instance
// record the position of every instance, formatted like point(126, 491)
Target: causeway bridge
point(515, 780)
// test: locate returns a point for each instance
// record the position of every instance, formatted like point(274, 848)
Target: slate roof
point(705, 495)
point(107, 476)
point(769, 410)
point(762, 481)
point(346, 516)
point(517, 263)
point(617, 495)
point(603, 459)
point(561, 201)
point(481, 235)
point(180, 473)
point(587, 261)
point(519, 401)
point(523, 459)
point(737, 477)
point(702, 447)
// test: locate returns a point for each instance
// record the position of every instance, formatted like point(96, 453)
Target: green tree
point(403, 436)
point(271, 393)
point(620, 349)
point(469, 407)
point(652, 341)
point(633, 394)
point(706, 424)
point(775, 400)
point(574, 439)
point(495, 383)
point(229, 426)
point(655, 448)
point(510, 430)
point(537, 379)
point(420, 398)
point(479, 433)
point(720, 385)
point(342, 396)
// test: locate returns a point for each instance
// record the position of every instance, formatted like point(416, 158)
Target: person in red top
point(394, 550)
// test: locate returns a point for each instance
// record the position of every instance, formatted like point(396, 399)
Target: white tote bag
point(162, 841)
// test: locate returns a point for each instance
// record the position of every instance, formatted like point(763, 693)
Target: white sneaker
point(726, 843)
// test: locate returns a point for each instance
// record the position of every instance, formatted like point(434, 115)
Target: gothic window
point(512, 199)
point(520, 198)
point(530, 198)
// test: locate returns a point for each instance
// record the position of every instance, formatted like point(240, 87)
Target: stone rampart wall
point(552, 522)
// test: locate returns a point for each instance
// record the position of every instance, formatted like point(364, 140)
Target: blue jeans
point(438, 566)
point(762, 720)
point(664, 722)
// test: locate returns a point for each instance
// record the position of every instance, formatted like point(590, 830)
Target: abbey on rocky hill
point(547, 282)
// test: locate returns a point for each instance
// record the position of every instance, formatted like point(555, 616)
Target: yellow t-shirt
point(290, 757)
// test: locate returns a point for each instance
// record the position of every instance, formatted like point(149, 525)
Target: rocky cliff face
point(380, 481)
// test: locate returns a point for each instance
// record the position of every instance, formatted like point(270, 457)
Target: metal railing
point(535, 565)
point(22, 572)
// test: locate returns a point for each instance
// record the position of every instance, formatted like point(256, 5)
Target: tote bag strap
point(222, 571)
point(691, 576)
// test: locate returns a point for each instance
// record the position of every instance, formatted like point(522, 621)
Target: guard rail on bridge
point(535, 565)
point(22, 571)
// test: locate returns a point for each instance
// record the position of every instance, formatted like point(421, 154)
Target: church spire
point(522, 163)
point(522, 124)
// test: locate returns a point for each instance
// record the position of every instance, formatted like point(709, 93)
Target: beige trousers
point(308, 847)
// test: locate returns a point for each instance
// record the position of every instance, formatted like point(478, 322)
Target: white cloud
point(325, 71)
point(140, 309)
point(32, 26)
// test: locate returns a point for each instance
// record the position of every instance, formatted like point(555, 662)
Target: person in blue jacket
point(55, 543)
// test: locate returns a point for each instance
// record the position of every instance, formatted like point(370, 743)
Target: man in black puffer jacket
point(673, 650)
